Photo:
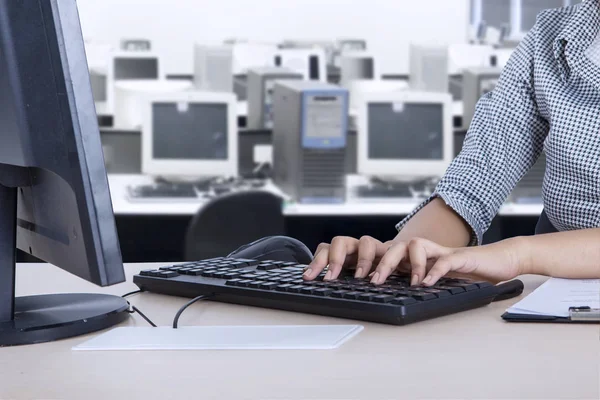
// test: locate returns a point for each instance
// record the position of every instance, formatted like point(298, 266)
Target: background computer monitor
point(476, 83)
point(311, 63)
point(191, 134)
point(127, 66)
point(404, 134)
point(55, 202)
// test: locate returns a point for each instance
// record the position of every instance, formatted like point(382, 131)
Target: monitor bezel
point(304, 54)
point(403, 168)
point(189, 168)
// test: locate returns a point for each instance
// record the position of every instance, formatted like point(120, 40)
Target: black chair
point(232, 220)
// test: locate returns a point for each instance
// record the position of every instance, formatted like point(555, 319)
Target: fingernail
point(358, 273)
point(327, 276)
point(375, 278)
point(415, 280)
point(371, 274)
point(307, 272)
point(427, 280)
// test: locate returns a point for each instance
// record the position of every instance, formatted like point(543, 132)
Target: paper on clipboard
point(556, 296)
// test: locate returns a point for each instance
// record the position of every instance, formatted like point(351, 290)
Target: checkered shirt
point(547, 98)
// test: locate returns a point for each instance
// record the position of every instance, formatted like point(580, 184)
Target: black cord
point(134, 309)
point(132, 293)
point(189, 303)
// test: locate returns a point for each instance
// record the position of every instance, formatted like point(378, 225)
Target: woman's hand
point(426, 261)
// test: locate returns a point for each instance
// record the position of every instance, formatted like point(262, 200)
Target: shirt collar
point(580, 32)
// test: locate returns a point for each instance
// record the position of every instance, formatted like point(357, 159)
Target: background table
point(473, 354)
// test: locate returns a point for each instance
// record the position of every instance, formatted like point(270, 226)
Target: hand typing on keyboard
point(425, 260)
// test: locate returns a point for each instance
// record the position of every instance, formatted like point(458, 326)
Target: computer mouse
point(276, 248)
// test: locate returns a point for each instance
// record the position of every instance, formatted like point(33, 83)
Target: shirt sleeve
point(503, 142)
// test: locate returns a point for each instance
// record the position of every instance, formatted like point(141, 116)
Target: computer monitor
point(190, 135)
point(128, 66)
point(213, 68)
point(404, 135)
point(356, 65)
point(54, 197)
point(311, 63)
point(429, 67)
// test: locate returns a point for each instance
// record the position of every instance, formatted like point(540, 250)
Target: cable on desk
point(132, 293)
point(134, 309)
point(189, 303)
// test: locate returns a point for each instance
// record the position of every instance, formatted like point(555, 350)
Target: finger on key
point(442, 267)
point(422, 250)
point(340, 248)
point(318, 263)
point(390, 262)
point(418, 260)
point(367, 251)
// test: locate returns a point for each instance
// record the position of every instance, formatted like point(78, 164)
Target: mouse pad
point(267, 337)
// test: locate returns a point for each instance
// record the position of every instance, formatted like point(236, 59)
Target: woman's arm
point(573, 254)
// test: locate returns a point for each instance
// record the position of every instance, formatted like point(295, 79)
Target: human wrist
point(521, 255)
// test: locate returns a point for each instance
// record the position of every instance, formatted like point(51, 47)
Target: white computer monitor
point(311, 63)
point(127, 66)
point(404, 135)
point(190, 135)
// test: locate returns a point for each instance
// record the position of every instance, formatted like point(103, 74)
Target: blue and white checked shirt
point(548, 97)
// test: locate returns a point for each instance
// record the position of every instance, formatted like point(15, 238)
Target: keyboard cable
point(133, 309)
point(189, 303)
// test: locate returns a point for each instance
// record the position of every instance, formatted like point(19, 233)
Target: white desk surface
point(470, 355)
point(353, 206)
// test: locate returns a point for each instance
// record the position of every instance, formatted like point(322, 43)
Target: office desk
point(469, 355)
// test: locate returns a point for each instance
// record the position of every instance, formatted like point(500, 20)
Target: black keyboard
point(279, 285)
point(377, 191)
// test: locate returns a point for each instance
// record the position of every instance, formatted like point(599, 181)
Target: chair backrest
point(232, 220)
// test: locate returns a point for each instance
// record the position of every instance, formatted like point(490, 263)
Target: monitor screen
point(183, 131)
point(135, 68)
point(405, 131)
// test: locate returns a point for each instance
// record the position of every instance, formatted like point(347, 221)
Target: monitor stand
point(43, 318)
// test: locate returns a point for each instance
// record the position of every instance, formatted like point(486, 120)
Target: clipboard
point(577, 315)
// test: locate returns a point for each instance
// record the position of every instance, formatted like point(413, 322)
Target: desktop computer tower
point(477, 82)
point(213, 68)
point(429, 68)
point(356, 66)
point(310, 132)
point(260, 84)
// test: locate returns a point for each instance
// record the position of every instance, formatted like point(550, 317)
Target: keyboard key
point(451, 289)
point(244, 282)
point(233, 282)
point(338, 293)
point(194, 272)
point(266, 267)
point(146, 272)
point(295, 288)
point(249, 263)
point(249, 276)
point(404, 301)
point(231, 275)
point(175, 268)
point(255, 284)
point(383, 298)
point(422, 296)
point(322, 292)
point(168, 274)
point(287, 280)
point(365, 297)
point(167, 268)
point(289, 264)
point(465, 285)
point(438, 293)
point(308, 289)
point(298, 281)
point(351, 295)
point(238, 264)
point(483, 284)
point(184, 270)
point(284, 287)
point(268, 285)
